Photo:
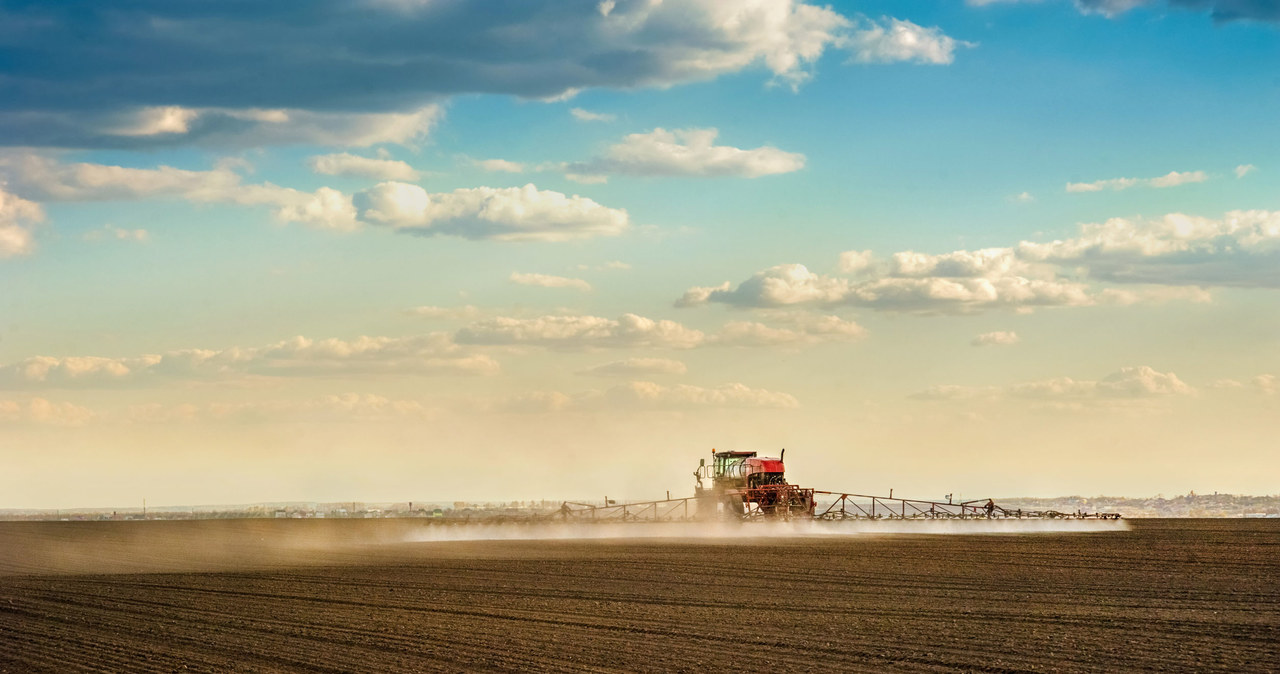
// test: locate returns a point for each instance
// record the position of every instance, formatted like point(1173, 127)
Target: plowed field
point(1168, 595)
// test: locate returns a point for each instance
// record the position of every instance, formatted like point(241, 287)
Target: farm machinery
point(738, 485)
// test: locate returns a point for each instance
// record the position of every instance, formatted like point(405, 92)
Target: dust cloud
point(56, 548)
point(759, 531)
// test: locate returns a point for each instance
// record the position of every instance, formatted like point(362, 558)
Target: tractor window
point(730, 466)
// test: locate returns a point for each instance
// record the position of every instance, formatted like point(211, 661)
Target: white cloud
point(498, 165)
point(856, 261)
point(1244, 170)
point(588, 116)
point(998, 338)
point(782, 285)
point(587, 179)
point(1239, 249)
point(45, 412)
point(799, 328)
point(300, 356)
point(963, 295)
point(686, 152)
point(1127, 383)
point(1175, 257)
point(1267, 384)
point(549, 281)
point(901, 41)
point(111, 232)
point(978, 287)
point(17, 218)
point(1023, 198)
point(1171, 179)
point(1109, 8)
point(347, 164)
point(581, 332)
point(632, 367)
point(48, 180)
point(505, 214)
point(988, 263)
point(610, 265)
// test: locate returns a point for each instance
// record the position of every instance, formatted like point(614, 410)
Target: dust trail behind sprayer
point(754, 531)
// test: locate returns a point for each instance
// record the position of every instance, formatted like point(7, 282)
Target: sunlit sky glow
point(391, 250)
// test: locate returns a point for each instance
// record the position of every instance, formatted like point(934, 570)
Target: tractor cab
point(741, 470)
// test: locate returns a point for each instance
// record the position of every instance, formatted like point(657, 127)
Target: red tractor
point(746, 486)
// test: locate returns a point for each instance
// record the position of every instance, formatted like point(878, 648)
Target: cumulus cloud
point(634, 367)
point(1174, 257)
point(991, 263)
point(549, 281)
point(505, 214)
point(686, 152)
point(297, 357)
point(46, 179)
point(912, 289)
point(44, 412)
point(998, 338)
point(18, 217)
point(581, 332)
point(895, 41)
point(1241, 248)
point(347, 164)
point(782, 285)
point(588, 116)
point(856, 261)
point(1171, 179)
point(166, 72)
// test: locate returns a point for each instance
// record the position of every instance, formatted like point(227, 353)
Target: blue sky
point(322, 250)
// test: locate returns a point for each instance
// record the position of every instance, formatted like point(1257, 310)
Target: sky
point(393, 250)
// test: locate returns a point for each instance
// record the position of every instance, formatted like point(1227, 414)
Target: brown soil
point(1189, 595)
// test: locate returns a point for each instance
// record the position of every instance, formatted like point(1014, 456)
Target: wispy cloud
point(549, 281)
point(346, 164)
point(686, 152)
point(998, 338)
point(588, 116)
point(1171, 179)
